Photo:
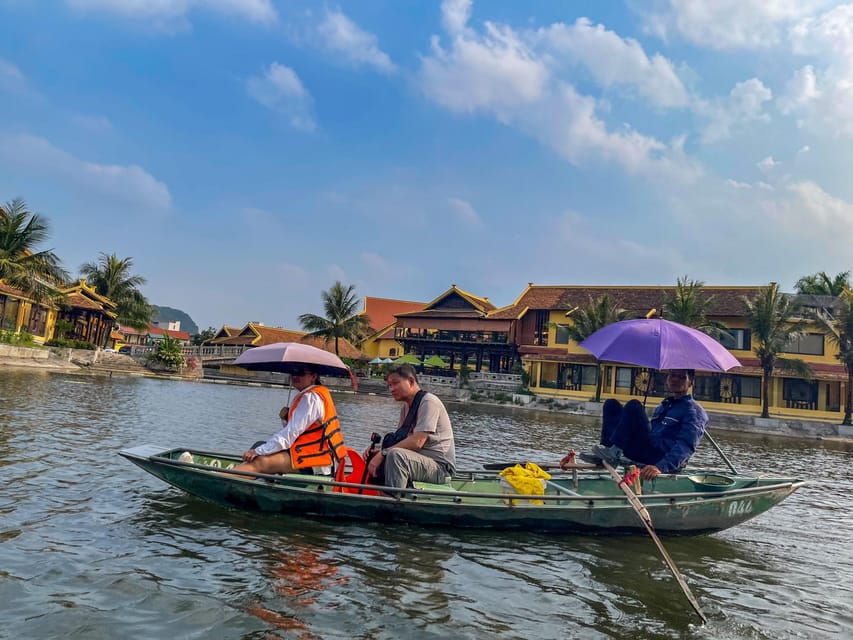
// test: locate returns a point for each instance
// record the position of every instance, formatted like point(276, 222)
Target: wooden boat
point(583, 501)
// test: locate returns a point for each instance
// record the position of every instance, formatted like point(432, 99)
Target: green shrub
point(168, 352)
point(22, 339)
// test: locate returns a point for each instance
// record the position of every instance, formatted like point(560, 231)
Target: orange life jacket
point(322, 443)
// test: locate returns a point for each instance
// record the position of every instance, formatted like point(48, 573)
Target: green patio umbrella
point(409, 358)
point(435, 361)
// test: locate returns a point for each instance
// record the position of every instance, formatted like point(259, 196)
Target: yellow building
point(558, 367)
point(18, 312)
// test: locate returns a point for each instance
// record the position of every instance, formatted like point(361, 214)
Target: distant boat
point(584, 501)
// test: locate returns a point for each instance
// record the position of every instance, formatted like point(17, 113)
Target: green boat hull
point(579, 503)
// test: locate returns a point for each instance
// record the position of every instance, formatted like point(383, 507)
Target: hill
point(168, 314)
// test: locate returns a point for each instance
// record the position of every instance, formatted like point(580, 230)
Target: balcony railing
point(466, 337)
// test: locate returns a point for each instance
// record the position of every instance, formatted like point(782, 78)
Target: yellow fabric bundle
point(526, 480)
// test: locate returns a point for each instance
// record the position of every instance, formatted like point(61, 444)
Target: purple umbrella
point(659, 344)
point(288, 357)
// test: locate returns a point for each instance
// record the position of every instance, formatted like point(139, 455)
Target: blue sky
point(248, 153)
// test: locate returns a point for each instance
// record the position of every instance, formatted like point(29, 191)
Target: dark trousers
point(629, 429)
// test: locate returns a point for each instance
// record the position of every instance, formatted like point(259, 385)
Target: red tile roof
point(381, 311)
point(159, 331)
point(727, 301)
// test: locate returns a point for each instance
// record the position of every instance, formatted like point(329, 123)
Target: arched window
point(392, 353)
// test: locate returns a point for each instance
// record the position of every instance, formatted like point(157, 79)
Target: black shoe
point(612, 454)
point(590, 458)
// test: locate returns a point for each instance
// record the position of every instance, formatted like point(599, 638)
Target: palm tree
point(595, 316)
point(112, 278)
point(838, 327)
point(37, 273)
point(342, 319)
point(686, 305)
point(821, 284)
point(772, 318)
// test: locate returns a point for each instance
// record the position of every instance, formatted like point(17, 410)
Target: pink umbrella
point(289, 357)
point(659, 344)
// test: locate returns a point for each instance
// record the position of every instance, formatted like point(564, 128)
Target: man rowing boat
point(664, 444)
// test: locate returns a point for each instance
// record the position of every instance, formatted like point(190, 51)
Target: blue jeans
point(629, 429)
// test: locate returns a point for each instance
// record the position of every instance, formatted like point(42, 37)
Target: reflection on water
point(92, 547)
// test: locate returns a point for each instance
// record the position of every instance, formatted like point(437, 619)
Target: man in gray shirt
point(424, 450)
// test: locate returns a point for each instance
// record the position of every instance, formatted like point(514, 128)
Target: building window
point(392, 353)
point(810, 344)
point(750, 387)
point(623, 377)
point(738, 339)
point(562, 334)
point(540, 333)
point(38, 320)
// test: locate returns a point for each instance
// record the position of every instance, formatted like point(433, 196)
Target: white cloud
point(738, 185)
point(375, 262)
point(744, 104)
point(455, 15)
point(281, 90)
point(12, 80)
point(804, 149)
point(820, 94)
point(830, 219)
point(129, 184)
point(615, 61)
point(767, 164)
point(728, 24)
point(464, 211)
point(359, 47)
point(171, 14)
point(500, 72)
point(496, 72)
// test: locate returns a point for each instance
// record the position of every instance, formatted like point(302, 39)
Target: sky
point(249, 153)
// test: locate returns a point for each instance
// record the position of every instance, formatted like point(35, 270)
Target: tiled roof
point(381, 311)
point(159, 331)
point(482, 304)
point(78, 301)
point(12, 291)
point(727, 301)
point(258, 335)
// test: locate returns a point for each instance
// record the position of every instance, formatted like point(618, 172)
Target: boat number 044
point(740, 507)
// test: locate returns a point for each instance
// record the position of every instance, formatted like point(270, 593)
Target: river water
point(93, 547)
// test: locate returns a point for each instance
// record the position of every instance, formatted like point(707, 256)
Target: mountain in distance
point(164, 315)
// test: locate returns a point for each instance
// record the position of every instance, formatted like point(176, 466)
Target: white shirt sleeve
point(308, 411)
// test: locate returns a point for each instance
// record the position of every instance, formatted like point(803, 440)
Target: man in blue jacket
point(663, 445)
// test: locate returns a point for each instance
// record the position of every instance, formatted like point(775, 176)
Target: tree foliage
point(111, 276)
point(822, 284)
point(774, 321)
point(203, 336)
point(596, 315)
point(838, 327)
point(687, 305)
point(38, 274)
point(341, 319)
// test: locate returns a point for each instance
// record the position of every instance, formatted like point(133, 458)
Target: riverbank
point(76, 361)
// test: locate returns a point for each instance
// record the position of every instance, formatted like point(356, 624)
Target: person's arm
point(308, 411)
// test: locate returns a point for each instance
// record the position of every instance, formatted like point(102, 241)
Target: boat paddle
point(643, 514)
point(720, 451)
point(500, 466)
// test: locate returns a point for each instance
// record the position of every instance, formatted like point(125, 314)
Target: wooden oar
point(720, 451)
point(500, 466)
point(643, 514)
